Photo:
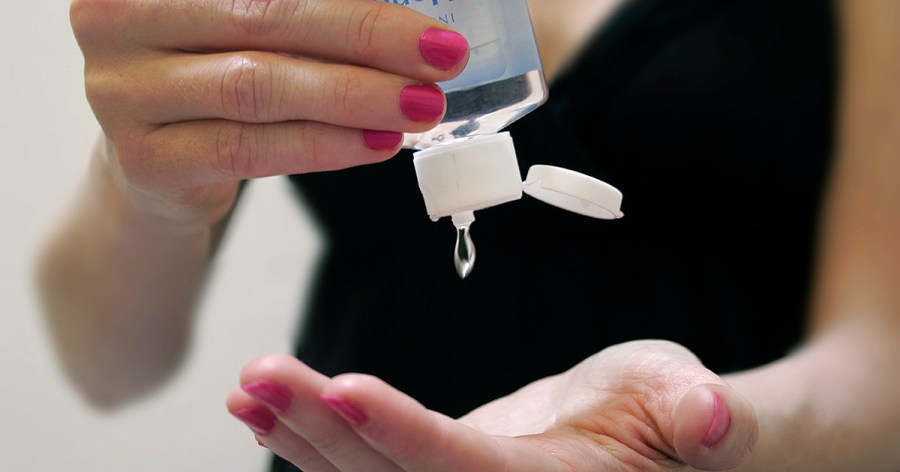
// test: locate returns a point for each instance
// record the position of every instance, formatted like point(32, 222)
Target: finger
point(185, 155)
point(274, 435)
point(420, 440)
point(364, 32)
point(714, 427)
point(292, 391)
point(257, 87)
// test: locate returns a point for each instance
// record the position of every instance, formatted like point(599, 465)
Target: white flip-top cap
point(574, 191)
point(482, 172)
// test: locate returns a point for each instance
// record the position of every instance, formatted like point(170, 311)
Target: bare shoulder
point(563, 27)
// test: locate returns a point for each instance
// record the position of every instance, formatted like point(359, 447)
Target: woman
point(714, 118)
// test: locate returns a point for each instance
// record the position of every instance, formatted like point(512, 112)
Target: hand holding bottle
point(195, 96)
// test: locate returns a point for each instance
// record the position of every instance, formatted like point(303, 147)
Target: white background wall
point(46, 131)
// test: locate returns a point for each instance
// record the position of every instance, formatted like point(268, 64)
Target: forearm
point(118, 288)
point(834, 405)
point(831, 406)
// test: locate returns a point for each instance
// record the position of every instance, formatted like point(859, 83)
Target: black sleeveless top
point(714, 118)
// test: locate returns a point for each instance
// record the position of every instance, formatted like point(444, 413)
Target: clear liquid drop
point(464, 252)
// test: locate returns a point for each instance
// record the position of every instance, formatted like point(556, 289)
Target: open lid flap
point(573, 191)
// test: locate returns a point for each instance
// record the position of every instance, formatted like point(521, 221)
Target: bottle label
point(500, 35)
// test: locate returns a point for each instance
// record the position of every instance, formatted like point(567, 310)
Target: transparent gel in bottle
point(503, 80)
point(466, 163)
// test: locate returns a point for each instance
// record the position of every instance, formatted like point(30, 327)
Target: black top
point(714, 118)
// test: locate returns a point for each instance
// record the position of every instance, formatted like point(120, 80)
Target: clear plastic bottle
point(503, 80)
point(466, 163)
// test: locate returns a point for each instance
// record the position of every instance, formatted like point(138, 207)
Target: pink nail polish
point(442, 48)
point(260, 420)
point(348, 411)
point(720, 424)
point(271, 393)
point(382, 140)
point(422, 102)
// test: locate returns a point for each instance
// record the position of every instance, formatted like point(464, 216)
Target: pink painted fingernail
point(348, 411)
point(271, 393)
point(442, 48)
point(422, 102)
point(381, 140)
point(260, 420)
point(721, 422)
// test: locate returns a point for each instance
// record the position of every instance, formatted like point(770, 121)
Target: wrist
point(779, 397)
point(829, 406)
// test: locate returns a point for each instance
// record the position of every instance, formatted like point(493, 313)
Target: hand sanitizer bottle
point(503, 80)
point(465, 163)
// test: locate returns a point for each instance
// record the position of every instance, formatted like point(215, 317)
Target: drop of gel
point(464, 252)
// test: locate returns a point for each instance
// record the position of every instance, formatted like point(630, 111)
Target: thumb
point(714, 427)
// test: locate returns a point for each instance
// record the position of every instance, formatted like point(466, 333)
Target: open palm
point(646, 405)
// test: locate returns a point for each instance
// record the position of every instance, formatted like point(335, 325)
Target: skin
point(832, 405)
point(132, 257)
point(641, 406)
point(563, 27)
point(195, 97)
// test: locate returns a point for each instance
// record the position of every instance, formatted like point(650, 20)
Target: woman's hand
point(195, 95)
point(647, 405)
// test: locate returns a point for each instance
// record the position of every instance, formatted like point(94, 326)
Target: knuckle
point(247, 15)
point(92, 20)
point(260, 17)
point(106, 92)
point(247, 84)
point(84, 15)
point(135, 157)
point(367, 24)
point(313, 144)
point(301, 456)
point(330, 444)
point(237, 150)
point(435, 439)
point(113, 96)
point(346, 88)
point(99, 90)
point(370, 15)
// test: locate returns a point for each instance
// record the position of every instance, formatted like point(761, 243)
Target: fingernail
point(422, 102)
point(381, 140)
point(442, 48)
point(720, 423)
point(260, 420)
point(349, 412)
point(271, 393)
